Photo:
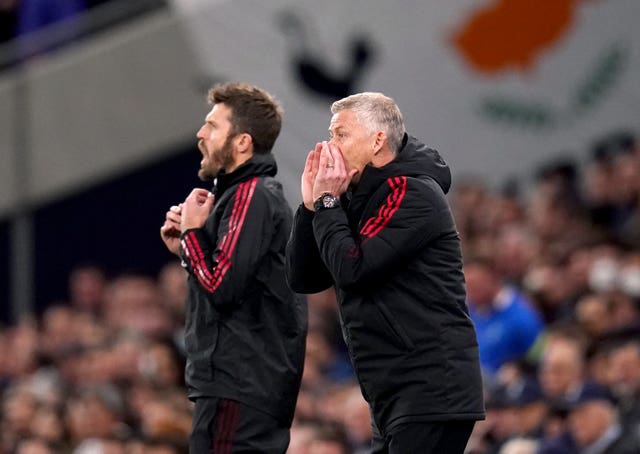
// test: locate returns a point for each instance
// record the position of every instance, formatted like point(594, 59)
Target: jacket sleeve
point(306, 272)
point(413, 213)
point(224, 270)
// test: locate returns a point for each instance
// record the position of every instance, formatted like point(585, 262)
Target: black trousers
point(224, 426)
point(447, 437)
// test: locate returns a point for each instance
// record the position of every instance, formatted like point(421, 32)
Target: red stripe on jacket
point(211, 281)
point(226, 425)
point(375, 224)
point(375, 221)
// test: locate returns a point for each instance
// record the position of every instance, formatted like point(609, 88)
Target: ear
point(379, 141)
point(244, 143)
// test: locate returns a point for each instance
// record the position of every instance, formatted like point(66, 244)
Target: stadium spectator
point(36, 14)
point(594, 424)
point(8, 19)
point(87, 285)
point(562, 366)
point(330, 438)
point(623, 377)
point(507, 324)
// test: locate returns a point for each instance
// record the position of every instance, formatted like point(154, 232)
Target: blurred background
point(534, 104)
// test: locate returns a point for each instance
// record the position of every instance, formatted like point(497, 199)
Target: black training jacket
point(245, 329)
point(393, 254)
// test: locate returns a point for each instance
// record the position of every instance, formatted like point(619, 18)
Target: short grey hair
point(376, 112)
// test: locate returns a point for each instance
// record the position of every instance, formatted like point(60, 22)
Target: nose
point(200, 133)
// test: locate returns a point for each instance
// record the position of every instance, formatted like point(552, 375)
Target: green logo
point(588, 93)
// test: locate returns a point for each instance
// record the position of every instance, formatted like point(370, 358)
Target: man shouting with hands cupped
point(325, 177)
point(376, 225)
point(245, 329)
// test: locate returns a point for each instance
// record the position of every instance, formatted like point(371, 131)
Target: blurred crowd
point(31, 28)
point(100, 373)
point(553, 279)
point(22, 17)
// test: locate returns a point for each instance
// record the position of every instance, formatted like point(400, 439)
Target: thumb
point(209, 200)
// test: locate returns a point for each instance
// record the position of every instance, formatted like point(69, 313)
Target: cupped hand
point(170, 230)
point(309, 176)
point(196, 209)
point(332, 176)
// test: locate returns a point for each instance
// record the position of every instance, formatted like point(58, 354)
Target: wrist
point(326, 201)
point(190, 225)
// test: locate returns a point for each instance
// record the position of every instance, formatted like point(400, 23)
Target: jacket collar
point(258, 166)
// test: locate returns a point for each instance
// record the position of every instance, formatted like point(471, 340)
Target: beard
point(217, 160)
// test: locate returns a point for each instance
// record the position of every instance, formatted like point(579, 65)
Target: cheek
point(347, 153)
point(353, 154)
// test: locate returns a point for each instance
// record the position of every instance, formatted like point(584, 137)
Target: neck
point(240, 159)
point(383, 157)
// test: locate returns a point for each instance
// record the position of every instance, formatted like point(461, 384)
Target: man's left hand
point(332, 174)
point(196, 209)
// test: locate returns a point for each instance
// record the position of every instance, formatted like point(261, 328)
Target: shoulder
point(417, 192)
point(267, 196)
point(425, 186)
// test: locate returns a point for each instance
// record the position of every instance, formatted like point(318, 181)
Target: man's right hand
point(309, 176)
point(170, 230)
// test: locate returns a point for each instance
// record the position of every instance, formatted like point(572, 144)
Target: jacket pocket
point(394, 328)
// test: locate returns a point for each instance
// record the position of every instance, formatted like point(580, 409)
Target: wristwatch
point(326, 200)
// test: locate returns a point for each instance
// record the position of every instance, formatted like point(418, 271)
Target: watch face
point(326, 200)
point(329, 201)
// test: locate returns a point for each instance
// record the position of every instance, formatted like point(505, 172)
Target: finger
point(176, 208)
point(197, 192)
point(208, 203)
point(201, 197)
point(169, 231)
point(173, 217)
point(166, 229)
point(316, 166)
point(308, 166)
point(324, 159)
point(200, 191)
point(335, 150)
point(327, 149)
point(316, 155)
point(173, 224)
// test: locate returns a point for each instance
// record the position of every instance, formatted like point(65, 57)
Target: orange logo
point(513, 33)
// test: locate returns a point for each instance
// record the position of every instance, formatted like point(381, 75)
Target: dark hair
point(485, 261)
point(253, 111)
point(332, 432)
